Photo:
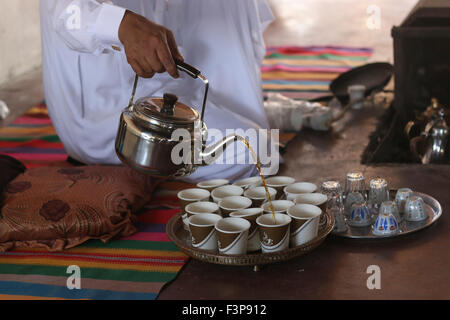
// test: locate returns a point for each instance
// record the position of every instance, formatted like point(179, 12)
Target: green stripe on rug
point(51, 138)
point(94, 273)
point(131, 244)
point(316, 57)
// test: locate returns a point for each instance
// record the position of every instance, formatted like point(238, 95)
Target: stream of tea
point(258, 166)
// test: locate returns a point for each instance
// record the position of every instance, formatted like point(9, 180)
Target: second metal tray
point(433, 208)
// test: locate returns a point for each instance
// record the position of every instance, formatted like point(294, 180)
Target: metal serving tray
point(433, 208)
point(182, 240)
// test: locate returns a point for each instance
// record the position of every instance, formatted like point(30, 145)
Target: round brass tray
point(182, 240)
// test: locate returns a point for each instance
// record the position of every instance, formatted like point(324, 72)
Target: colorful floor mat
point(137, 267)
point(306, 72)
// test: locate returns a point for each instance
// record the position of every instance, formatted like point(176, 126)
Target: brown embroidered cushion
point(59, 208)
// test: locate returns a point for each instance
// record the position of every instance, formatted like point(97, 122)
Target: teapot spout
point(212, 152)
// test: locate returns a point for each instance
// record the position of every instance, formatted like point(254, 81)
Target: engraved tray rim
point(249, 259)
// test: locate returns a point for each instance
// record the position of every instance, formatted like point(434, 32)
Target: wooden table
point(415, 266)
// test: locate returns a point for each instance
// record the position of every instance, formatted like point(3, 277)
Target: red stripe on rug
point(41, 144)
point(157, 216)
point(41, 157)
point(125, 261)
point(122, 254)
point(148, 236)
point(32, 121)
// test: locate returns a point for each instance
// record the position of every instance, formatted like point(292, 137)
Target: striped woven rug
point(306, 72)
point(137, 267)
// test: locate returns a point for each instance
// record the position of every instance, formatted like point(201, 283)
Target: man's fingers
point(136, 67)
point(173, 46)
point(141, 71)
point(166, 59)
point(145, 66)
point(153, 61)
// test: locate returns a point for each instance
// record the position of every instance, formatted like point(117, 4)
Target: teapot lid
point(165, 112)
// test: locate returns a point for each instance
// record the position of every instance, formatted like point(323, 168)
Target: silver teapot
point(436, 134)
point(146, 141)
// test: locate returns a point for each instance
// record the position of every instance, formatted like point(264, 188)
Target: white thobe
point(87, 83)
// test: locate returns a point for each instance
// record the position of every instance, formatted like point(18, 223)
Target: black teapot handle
point(196, 74)
point(190, 70)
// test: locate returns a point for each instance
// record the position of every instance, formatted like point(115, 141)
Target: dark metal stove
point(422, 74)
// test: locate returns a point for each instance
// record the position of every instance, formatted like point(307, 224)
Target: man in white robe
point(88, 82)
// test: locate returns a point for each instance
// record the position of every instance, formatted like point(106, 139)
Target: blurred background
point(362, 23)
point(20, 44)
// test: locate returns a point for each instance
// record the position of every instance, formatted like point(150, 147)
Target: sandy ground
point(298, 22)
point(360, 23)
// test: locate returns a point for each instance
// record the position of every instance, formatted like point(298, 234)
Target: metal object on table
point(432, 207)
point(182, 240)
point(335, 204)
point(354, 182)
point(378, 193)
point(374, 76)
point(436, 133)
point(4, 110)
point(148, 134)
point(354, 190)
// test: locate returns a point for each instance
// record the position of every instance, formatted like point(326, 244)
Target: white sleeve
point(90, 26)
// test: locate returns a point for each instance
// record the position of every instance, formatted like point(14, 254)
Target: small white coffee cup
point(203, 232)
point(210, 185)
point(202, 207)
point(188, 196)
point(305, 223)
point(279, 206)
point(226, 191)
point(250, 214)
point(274, 235)
point(233, 203)
point(258, 195)
point(232, 235)
point(293, 190)
point(278, 183)
point(248, 183)
point(357, 93)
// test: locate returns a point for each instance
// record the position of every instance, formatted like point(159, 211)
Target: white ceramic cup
point(293, 190)
point(232, 235)
point(305, 223)
point(203, 232)
point(258, 195)
point(226, 191)
point(274, 235)
point(188, 196)
point(250, 214)
point(210, 185)
point(278, 183)
point(401, 197)
point(279, 206)
point(357, 92)
point(248, 183)
point(415, 209)
point(233, 203)
point(202, 207)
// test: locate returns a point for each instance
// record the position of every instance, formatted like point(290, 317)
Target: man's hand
point(149, 47)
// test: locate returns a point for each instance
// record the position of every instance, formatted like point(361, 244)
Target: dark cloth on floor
point(10, 168)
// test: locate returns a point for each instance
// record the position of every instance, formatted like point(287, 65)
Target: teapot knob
point(169, 103)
